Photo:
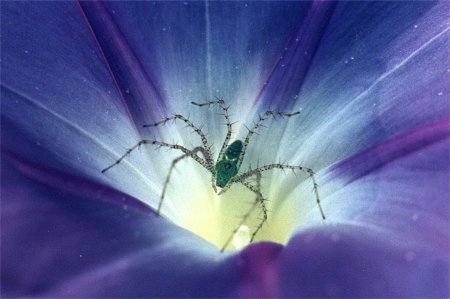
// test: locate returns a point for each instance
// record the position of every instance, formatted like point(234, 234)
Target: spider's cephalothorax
point(225, 171)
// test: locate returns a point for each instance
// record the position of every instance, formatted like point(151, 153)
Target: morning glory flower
point(81, 79)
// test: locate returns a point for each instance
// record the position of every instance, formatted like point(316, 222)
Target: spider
point(225, 170)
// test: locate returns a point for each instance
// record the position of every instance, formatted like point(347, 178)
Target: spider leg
point(172, 166)
point(258, 124)
point(221, 104)
point(164, 144)
point(259, 199)
point(207, 152)
point(309, 171)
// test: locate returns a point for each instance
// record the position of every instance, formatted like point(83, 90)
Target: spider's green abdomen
point(227, 167)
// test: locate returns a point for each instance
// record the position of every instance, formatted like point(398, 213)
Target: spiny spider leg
point(259, 199)
point(207, 152)
point(246, 175)
point(172, 166)
point(258, 124)
point(164, 144)
point(221, 103)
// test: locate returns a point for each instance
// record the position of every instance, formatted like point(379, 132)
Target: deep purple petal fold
point(282, 86)
point(134, 83)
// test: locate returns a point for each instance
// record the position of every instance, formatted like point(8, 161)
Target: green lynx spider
point(225, 171)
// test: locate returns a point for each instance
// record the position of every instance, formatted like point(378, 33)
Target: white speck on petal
point(409, 256)
point(335, 237)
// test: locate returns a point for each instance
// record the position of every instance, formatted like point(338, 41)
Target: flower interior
point(192, 203)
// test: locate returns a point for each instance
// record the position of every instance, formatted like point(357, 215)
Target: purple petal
point(348, 261)
point(259, 272)
point(69, 242)
point(387, 229)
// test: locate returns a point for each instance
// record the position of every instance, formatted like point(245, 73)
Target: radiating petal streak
point(143, 99)
point(208, 49)
point(83, 132)
point(108, 66)
point(71, 184)
point(397, 148)
point(296, 58)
